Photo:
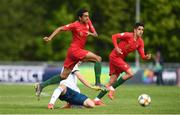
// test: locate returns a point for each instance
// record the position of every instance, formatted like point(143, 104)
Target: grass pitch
point(20, 99)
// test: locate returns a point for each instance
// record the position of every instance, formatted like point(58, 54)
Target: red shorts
point(117, 65)
point(73, 56)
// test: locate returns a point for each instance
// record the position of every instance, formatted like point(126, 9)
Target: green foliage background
point(25, 22)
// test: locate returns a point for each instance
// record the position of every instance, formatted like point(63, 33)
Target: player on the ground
point(69, 91)
point(80, 29)
point(129, 42)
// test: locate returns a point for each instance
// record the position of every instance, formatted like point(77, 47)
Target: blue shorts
point(73, 97)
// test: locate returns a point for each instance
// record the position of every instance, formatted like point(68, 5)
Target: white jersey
point(71, 81)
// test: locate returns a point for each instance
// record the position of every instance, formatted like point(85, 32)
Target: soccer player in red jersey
point(80, 29)
point(129, 42)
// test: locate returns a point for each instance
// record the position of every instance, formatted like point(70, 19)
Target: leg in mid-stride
point(71, 96)
point(91, 57)
point(76, 50)
point(133, 42)
point(115, 69)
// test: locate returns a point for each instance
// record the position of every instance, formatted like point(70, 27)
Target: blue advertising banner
point(32, 74)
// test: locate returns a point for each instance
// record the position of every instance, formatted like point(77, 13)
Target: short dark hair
point(80, 12)
point(138, 24)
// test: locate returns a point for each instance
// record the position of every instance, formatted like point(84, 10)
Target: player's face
point(85, 17)
point(139, 31)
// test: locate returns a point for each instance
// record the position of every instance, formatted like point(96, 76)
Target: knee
point(131, 74)
point(62, 88)
point(91, 104)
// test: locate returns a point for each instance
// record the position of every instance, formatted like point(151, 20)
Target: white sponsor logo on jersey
point(122, 34)
point(67, 25)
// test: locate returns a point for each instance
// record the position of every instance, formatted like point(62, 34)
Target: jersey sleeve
point(69, 27)
point(118, 36)
point(91, 27)
point(141, 49)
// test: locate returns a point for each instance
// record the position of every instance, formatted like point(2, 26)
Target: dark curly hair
point(138, 24)
point(80, 12)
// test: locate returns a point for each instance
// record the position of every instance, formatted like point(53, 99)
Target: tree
point(25, 23)
point(161, 24)
point(22, 21)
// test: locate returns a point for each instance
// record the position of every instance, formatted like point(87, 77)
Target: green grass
point(20, 99)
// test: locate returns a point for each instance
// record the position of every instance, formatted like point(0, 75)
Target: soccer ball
point(144, 100)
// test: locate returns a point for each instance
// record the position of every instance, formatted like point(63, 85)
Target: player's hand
point(88, 33)
point(97, 88)
point(46, 39)
point(119, 51)
point(148, 56)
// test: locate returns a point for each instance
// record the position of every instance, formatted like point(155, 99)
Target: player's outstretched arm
point(53, 34)
point(85, 82)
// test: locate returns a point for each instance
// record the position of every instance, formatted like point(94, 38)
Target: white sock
point(55, 95)
point(96, 99)
point(111, 88)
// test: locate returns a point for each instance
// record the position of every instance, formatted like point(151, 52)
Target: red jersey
point(127, 44)
point(79, 32)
